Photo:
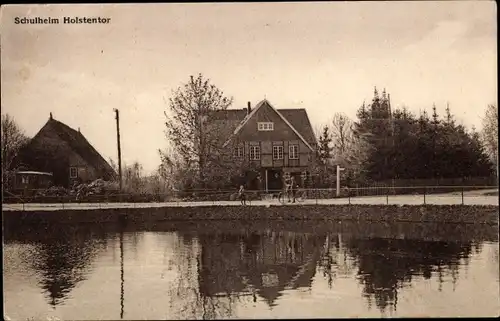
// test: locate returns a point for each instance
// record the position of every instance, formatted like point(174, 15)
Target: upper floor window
point(73, 172)
point(293, 152)
point(238, 152)
point(265, 126)
point(277, 152)
point(254, 152)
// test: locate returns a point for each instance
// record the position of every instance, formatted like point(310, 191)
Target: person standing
point(287, 183)
point(241, 195)
point(293, 188)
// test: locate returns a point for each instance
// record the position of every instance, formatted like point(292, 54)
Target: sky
point(326, 57)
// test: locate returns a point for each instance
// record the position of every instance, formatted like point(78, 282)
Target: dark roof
point(227, 120)
point(299, 119)
point(81, 146)
point(296, 116)
point(230, 114)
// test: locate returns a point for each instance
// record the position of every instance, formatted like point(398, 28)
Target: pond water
point(207, 270)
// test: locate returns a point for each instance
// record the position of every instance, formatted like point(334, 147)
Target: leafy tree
point(189, 125)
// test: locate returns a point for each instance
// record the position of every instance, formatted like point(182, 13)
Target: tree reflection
point(62, 258)
point(386, 265)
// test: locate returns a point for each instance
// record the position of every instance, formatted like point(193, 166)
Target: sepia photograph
point(249, 160)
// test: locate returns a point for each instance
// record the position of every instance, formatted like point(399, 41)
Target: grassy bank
point(371, 213)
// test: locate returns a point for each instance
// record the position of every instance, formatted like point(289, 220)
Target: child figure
point(241, 195)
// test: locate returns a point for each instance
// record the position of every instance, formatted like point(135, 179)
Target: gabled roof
point(296, 119)
point(80, 145)
point(300, 121)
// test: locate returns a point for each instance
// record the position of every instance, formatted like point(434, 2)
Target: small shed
point(27, 182)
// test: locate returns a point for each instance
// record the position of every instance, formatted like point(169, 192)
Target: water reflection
point(122, 279)
point(227, 269)
point(386, 265)
point(61, 258)
point(257, 264)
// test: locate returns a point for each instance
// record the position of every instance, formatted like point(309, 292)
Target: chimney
point(78, 129)
point(249, 108)
point(50, 115)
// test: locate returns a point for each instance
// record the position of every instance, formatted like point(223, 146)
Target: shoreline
point(434, 232)
point(467, 214)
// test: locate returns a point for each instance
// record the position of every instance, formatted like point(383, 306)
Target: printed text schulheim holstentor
point(64, 20)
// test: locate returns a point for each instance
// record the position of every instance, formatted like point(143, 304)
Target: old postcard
point(250, 160)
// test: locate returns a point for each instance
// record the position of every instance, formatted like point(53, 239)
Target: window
point(277, 152)
point(254, 152)
point(73, 172)
point(238, 152)
point(267, 126)
point(25, 179)
point(293, 151)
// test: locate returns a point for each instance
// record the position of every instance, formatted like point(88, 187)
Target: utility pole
point(119, 147)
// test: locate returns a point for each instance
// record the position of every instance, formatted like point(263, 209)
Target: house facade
point(66, 154)
point(275, 143)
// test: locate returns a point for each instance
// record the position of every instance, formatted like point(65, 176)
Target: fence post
point(462, 194)
point(316, 196)
point(387, 197)
point(349, 195)
point(425, 188)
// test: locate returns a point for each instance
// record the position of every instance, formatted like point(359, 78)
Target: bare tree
point(349, 150)
point(188, 124)
point(13, 139)
point(490, 134)
point(342, 134)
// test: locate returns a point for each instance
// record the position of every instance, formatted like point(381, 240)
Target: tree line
point(382, 143)
point(386, 143)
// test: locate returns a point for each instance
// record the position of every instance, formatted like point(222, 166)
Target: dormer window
point(265, 126)
point(73, 172)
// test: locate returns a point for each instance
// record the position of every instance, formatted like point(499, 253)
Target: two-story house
point(64, 153)
point(277, 142)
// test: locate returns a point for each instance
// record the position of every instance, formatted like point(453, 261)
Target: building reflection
point(258, 264)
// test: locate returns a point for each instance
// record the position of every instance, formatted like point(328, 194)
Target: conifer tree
point(324, 147)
